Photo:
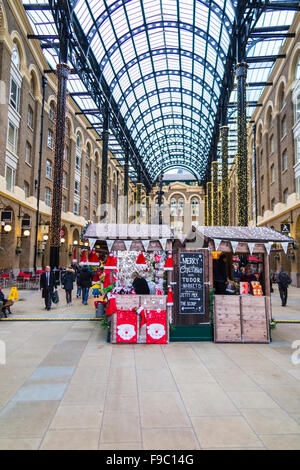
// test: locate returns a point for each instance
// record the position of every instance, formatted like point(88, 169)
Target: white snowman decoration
point(156, 330)
point(126, 331)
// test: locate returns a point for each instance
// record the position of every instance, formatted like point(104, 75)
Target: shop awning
point(102, 231)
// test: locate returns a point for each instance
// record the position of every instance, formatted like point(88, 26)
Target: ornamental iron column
point(105, 137)
point(62, 72)
point(44, 82)
point(147, 206)
point(209, 205)
point(138, 198)
point(242, 160)
point(160, 194)
point(126, 169)
point(206, 210)
point(225, 184)
point(215, 199)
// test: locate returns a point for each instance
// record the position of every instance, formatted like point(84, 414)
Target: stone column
point(242, 160)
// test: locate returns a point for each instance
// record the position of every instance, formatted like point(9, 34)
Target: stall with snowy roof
point(244, 317)
point(146, 250)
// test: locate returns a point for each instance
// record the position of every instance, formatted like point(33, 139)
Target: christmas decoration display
point(112, 306)
point(225, 181)
point(256, 288)
point(74, 260)
point(215, 201)
point(244, 288)
point(93, 259)
point(127, 326)
point(107, 284)
point(169, 262)
point(83, 259)
point(156, 326)
point(170, 297)
point(110, 262)
point(141, 262)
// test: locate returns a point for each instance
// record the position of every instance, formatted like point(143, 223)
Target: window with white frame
point(65, 179)
point(52, 111)
point(10, 178)
point(297, 70)
point(76, 208)
point(64, 203)
point(284, 160)
point(77, 187)
point(66, 153)
point(48, 196)
point(30, 117)
point(297, 149)
point(26, 189)
point(14, 98)
point(94, 198)
point(95, 177)
point(15, 57)
point(272, 173)
point(12, 138)
point(87, 170)
point(285, 195)
point(50, 139)
point(283, 127)
point(298, 187)
point(28, 150)
point(49, 169)
point(272, 144)
point(85, 212)
point(86, 193)
point(77, 161)
point(262, 184)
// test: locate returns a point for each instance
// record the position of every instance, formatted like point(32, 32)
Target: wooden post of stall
point(210, 264)
point(267, 284)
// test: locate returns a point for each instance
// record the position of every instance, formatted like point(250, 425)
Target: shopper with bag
point(48, 285)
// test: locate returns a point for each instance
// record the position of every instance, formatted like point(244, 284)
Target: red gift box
point(156, 326)
point(127, 326)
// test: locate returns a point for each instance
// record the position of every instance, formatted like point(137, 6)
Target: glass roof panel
point(164, 62)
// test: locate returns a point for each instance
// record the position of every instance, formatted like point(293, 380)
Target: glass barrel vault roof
point(164, 62)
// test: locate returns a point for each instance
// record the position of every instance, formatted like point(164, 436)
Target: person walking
point(67, 281)
point(77, 274)
point(48, 284)
point(283, 280)
point(220, 275)
point(85, 282)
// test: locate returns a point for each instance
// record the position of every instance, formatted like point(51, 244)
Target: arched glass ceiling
point(164, 62)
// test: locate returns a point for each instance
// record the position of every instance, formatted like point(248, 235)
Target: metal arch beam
point(189, 157)
point(172, 103)
point(180, 146)
point(164, 51)
point(170, 116)
point(109, 10)
point(179, 162)
point(170, 166)
point(160, 73)
point(173, 136)
point(155, 26)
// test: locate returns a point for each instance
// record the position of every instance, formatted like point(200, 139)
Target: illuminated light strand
point(242, 160)
point(215, 193)
point(225, 182)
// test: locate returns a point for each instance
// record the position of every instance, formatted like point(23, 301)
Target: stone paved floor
point(64, 387)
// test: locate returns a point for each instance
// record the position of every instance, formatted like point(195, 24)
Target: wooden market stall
point(244, 317)
point(135, 315)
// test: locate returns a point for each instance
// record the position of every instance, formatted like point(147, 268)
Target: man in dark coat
point(48, 284)
point(283, 280)
point(220, 275)
point(140, 285)
point(85, 282)
point(67, 280)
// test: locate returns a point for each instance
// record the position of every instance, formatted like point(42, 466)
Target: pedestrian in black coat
point(283, 280)
point(68, 279)
point(85, 282)
point(48, 284)
point(140, 285)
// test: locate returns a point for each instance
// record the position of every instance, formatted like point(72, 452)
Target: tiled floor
point(64, 387)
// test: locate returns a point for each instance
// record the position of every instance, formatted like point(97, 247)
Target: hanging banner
point(92, 242)
point(146, 244)
point(268, 247)
point(234, 246)
point(163, 242)
point(127, 244)
point(285, 246)
point(251, 247)
point(217, 243)
point(109, 244)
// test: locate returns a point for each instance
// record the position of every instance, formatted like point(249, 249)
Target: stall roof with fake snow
point(243, 234)
point(102, 231)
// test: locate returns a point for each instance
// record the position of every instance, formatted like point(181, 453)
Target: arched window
point(297, 70)
point(195, 206)
point(52, 111)
point(32, 84)
point(78, 140)
point(281, 98)
point(15, 57)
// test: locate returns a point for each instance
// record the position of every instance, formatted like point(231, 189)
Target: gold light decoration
point(209, 205)
point(242, 161)
point(215, 199)
point(225, 182)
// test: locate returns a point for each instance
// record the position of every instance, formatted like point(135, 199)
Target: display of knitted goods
point(156, 326)
point(127, 326)
point(244, 288)
point(170, 297)
point(141, 262)
point(108, 283)
point(83, 259)
point(93, 259)
point(169, 262)
point(256, 288)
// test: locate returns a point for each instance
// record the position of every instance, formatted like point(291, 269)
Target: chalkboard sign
point(191, 283)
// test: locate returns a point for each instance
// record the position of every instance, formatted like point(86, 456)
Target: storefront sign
point(191, 282)
point(285, 228)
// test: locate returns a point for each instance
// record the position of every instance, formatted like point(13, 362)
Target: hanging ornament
point(170, 297)
point(169, 262)
point(93, 259)
point(251, 247)
point(234, 246)
point(112, 306)
point(217, 243)
point(140, 261)
point(110, 262)
point(74, 260)
point(268, 247)
point(285, 246)
point(83, 259)
point(96, 278)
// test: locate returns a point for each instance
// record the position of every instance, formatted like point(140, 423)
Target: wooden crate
point(227, 323)
point(254, 319)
